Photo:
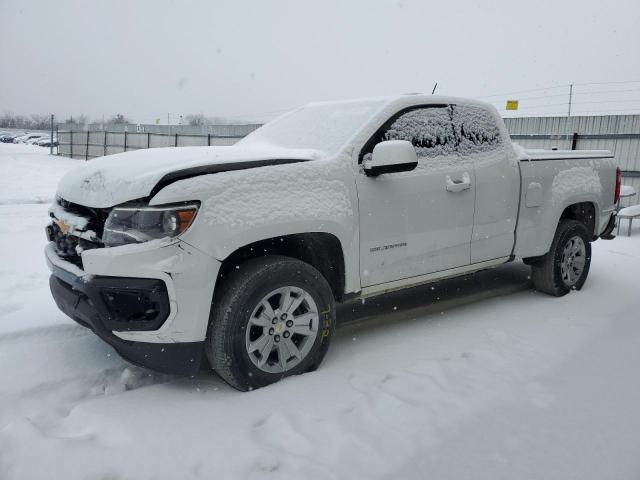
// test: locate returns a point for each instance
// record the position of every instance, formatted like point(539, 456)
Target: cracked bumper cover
point(151, 317)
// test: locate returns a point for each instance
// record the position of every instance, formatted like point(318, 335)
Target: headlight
point(141, 224)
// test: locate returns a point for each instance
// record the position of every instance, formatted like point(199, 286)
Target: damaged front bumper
point(153, 316)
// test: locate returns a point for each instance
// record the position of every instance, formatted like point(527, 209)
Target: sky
point(254, 59)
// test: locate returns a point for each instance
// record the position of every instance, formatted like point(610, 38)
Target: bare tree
point(227, 121)
point(36, 121)
point(82, 119)
point(40, 122)
point(196, 119)
point(22, 121)
point(77, 119)
point(118, 119)
point(8, 120)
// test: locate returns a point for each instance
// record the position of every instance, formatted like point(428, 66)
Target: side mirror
point(390, 157)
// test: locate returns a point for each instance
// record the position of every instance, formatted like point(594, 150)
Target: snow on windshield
point(322, 126)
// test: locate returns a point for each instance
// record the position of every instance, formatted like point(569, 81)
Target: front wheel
point(274, 317)
point(566, 266)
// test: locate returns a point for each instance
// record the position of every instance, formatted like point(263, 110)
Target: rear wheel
point(274, 317)
point(566, 266)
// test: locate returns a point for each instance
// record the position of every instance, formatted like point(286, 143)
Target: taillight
point(616, 197)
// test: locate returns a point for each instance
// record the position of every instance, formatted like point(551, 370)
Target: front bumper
point(82, 301)
point(150, 303)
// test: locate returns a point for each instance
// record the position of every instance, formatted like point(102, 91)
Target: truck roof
point(417, 98)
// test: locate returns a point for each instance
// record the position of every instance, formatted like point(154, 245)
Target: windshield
point(323, 126)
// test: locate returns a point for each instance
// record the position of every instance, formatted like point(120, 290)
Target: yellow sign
point(512, 104)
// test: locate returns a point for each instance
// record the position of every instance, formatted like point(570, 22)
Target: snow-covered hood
point(115, 179)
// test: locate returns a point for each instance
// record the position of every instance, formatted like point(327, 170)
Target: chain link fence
point(84, 143)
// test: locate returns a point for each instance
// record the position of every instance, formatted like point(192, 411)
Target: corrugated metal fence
point(618, 133)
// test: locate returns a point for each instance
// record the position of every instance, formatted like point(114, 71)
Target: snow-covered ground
point(478, 377)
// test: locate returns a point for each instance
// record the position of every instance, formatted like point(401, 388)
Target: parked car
point(9, 137)
point(27, 137)
point(46, 141)
point(242, 252)
point(35, 140)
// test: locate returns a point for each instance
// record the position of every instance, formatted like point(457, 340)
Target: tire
point(551, 273)
point(239, 322)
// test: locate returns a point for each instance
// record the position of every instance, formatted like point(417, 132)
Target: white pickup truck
point(240, 253)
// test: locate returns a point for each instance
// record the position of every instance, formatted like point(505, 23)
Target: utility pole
point(51, 139)
point(569, 115)
point(168, 121)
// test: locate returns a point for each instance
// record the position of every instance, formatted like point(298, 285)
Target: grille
point(96, 216)
point(69, 247)
point(65, 245)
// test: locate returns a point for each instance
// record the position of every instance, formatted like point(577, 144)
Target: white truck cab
point(242, 252)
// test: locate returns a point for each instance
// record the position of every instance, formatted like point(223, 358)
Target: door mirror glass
point(390, 157)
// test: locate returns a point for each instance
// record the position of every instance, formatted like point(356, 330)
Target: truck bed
point(551, 180)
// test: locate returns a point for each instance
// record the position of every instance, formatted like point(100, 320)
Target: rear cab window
point(476, 130)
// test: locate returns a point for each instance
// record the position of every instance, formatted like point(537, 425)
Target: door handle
point(456, 186)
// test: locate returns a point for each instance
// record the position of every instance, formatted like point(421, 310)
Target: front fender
point(242, 207)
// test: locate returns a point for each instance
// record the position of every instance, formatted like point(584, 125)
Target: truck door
point(497, 182)
point(417, 222)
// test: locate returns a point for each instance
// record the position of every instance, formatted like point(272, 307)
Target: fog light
point(136, 308)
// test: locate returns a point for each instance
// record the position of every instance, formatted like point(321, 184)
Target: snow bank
point(27, 185)
point(630, 211)
point(29, 174)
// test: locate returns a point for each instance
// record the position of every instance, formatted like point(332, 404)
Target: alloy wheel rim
point(573, 261)
point(282, 329)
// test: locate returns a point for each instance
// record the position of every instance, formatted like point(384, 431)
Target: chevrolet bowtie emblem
point(63, 226)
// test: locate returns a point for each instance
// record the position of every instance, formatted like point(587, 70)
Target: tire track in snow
point(81, 368)
point(49, 334)
point(48, 405)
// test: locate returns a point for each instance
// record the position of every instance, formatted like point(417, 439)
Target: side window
point(476, 129)
point(429, 129)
